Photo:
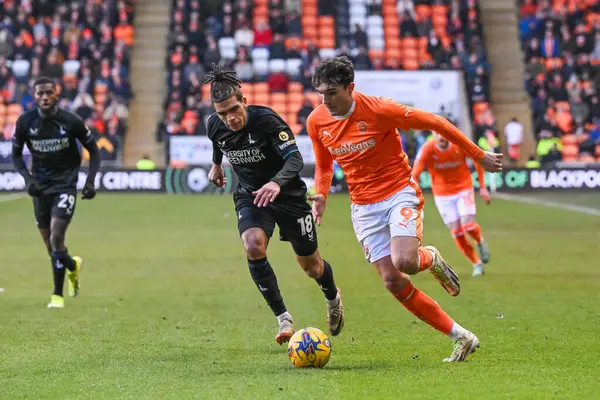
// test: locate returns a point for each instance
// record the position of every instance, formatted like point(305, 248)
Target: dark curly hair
point(42, 80)
point(223, 84)
point(334, 71)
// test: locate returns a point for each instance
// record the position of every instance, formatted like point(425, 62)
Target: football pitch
point(168, 310)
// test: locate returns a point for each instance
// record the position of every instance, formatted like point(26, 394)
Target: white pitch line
point(547, 203)
point(11, 197)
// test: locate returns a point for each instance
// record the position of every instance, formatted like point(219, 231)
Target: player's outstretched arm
point(84, 135)
point(323, 173)
point(411, 118)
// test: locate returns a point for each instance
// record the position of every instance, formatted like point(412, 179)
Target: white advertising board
point(426, 90)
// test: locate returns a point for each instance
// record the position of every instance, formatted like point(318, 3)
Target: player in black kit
point(263, 152)
point(51, 134)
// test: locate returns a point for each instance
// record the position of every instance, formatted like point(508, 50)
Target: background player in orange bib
point(359, 132)
point(454, 196)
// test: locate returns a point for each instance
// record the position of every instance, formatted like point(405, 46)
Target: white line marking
point(10, 197)
point(546, 203)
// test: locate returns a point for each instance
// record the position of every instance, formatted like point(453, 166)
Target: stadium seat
point(260, 53)
point(276, 65)
point(295, 87)
point(260, 67)
point(327, 52)
point(293, 66)
point(227, 47)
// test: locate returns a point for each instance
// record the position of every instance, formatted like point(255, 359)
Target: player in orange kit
point(454, 196)
point(359, 132)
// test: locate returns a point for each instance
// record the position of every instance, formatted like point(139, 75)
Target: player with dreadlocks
point(262, 151)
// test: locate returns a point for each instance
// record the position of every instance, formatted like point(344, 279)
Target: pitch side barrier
point(194, 180)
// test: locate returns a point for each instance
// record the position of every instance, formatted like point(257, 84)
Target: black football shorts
point(60, 205)
point(293, 217)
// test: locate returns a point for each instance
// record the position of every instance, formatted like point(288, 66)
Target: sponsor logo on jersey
point(287, 144)
point(50, 145)
point(250, 156)
point(347, 148)
point(283, 136)
point(446, 165)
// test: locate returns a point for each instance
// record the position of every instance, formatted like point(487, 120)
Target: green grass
point(168, 309)
point(586, 198)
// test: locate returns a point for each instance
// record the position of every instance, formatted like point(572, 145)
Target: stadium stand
point(274, 45)
point(561, 46)
point(85, 45)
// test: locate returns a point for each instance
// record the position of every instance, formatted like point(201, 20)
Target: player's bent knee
point(454, 226)
point(255, 244)
point(467, 219)
point(57, 241)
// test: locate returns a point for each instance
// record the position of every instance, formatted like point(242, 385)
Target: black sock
point(65, 259)
point(58, 271)
point(326, 282)
point(266, 281)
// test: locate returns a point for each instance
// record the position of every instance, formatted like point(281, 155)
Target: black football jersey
point(52, 142)
point(258, 151)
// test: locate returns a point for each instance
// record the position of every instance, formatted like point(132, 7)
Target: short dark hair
point(42, 80)
point(334, 71)
point(223, 84)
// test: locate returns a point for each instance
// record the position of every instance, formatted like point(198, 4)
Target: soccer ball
point(309, 347)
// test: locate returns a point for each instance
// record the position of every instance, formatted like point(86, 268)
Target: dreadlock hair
point(223, 84)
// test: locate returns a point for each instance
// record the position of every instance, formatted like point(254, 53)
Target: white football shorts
point(452, 208)
point(399, 215)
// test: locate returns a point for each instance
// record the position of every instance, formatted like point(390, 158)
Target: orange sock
point(425, 259)
point(474, 230)
point(463, 244)
point(425, 308)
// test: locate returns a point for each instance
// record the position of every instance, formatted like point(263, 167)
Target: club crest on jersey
point(283, 136)
point(62, 130)
point(362, 126)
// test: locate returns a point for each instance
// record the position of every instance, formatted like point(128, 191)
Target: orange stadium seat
point(261, 88)
point(295, 87)
point(422, 12)
point(314, 97)
point(261, 99)
point(295, 98)
point(569, 140)
point(570, 153)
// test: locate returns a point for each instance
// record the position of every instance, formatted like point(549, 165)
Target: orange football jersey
point(367, 146)
point(448, 168)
